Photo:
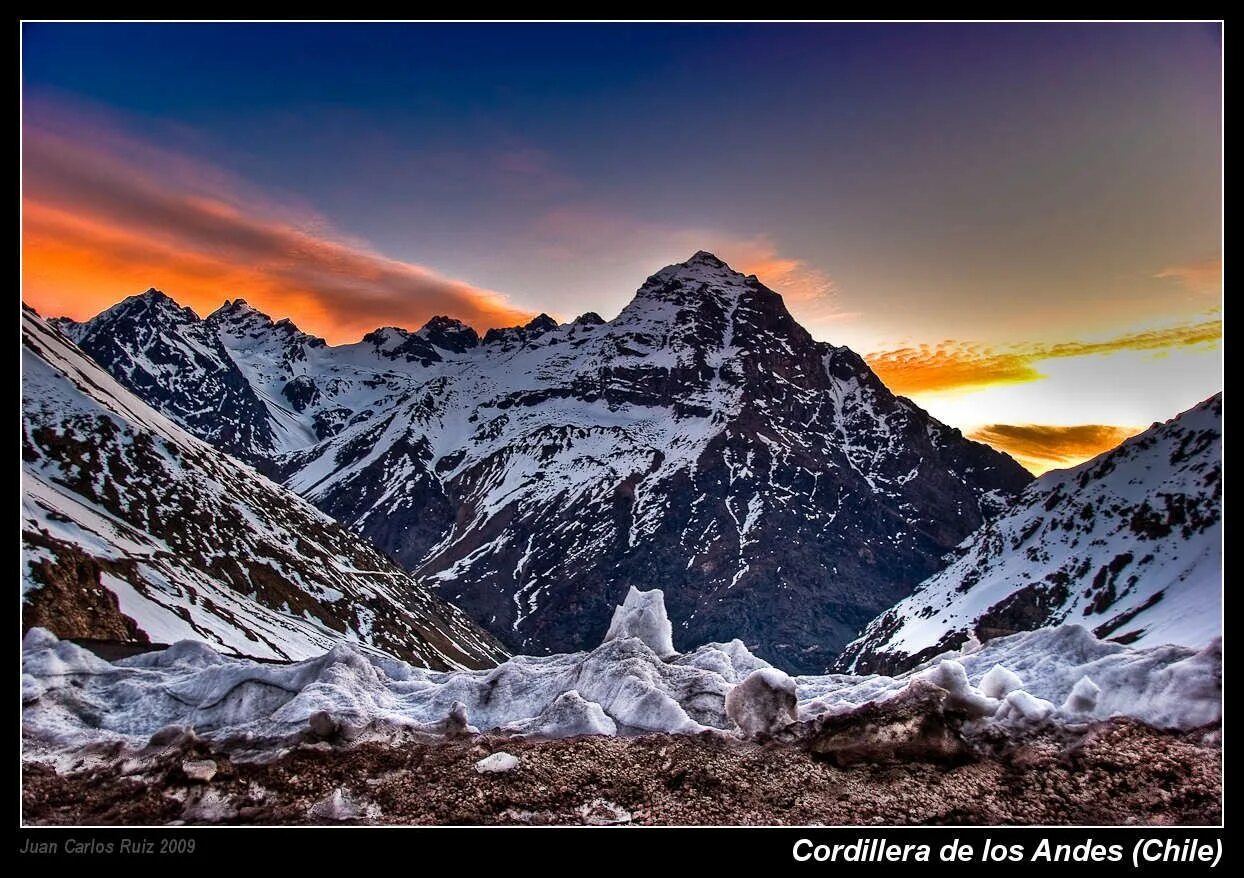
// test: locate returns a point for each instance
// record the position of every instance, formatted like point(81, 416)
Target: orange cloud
point(102, 221)
point(807, 289)
point(1040, 447)
point(953, 365)
point(1199, 277)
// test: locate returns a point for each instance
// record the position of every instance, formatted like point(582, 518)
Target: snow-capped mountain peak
point(703, 275)
point(153, 302)
point(151, 310)
point(701, 441)
point(238, 309)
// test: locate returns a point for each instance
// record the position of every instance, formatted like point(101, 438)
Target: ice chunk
point(323, 725)
point(39, 638)
point(763, 703)
point(1183, 694)
point(999, 682)
point(1023, 708)
point(1082, 698)
point(72, 697)
point(643, 615)
point(209, 805)
point(47, 657)
point(602, 812)
point(953, 677)
point(184, 653)
point(732, 660)
point(456, 722)
point(571, 714)
point(498, 763)
point(32, 689)
point(338, 805)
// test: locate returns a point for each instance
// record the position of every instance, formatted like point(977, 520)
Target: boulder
point(498, 763)
point(764, 703)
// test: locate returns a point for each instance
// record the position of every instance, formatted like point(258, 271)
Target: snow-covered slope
point(1128, 544)
point(134, 530)
point(1061, 675)
point(701, 441)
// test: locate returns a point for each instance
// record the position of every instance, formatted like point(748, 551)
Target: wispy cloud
point(1200, 277)
point(1041, 447)
point(105, 216)
point(804, 287)
point(955, 365)
point(576, 231)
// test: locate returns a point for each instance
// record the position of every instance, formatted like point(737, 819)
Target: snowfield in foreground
point(71, 697)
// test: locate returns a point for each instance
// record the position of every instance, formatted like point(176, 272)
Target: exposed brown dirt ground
point(1119, 772)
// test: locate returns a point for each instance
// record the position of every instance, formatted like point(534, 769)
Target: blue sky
point(995, 186)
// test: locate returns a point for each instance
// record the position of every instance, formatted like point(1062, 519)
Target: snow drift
point(71, 697)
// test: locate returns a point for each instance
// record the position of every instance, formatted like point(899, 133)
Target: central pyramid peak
point(703, 286)
point(704, 263)
point(704, 257)
point(702, 270)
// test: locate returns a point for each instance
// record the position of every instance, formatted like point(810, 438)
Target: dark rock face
point(301, 392)
point(392, 344)
point(449, 334)
point(513, 336)
point(71, 601)
point(701, 442)
point(173, 361)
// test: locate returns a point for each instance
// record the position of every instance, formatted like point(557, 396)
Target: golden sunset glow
point(96, 227)
point(955, 365)
point(1049, 341)
point(1040, 448)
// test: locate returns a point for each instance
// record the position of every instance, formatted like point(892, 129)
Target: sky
point(1019, 226)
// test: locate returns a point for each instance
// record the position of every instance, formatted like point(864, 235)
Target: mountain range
point(701, 442)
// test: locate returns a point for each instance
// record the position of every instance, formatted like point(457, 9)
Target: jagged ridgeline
point(133, 530)
point(701, 442)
